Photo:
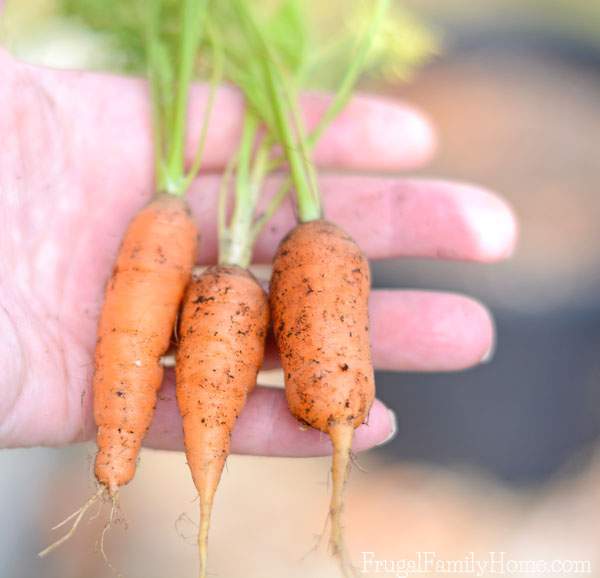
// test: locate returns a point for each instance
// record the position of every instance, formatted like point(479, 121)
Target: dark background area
point(516, 104)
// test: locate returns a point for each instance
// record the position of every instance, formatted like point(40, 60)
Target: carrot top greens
point(271, 50)
point(171, 65)
point(269, 59)
point(160, 39)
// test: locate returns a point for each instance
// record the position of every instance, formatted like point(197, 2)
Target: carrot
point(223, 326)
point(319, 303)
point(155, 260)
point(141, 302)
point(158, 252)
point(138, 316)
point(320, 284)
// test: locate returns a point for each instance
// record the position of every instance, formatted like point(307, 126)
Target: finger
point(428, 331)
point(111, 116)
point(423, 331)
point(388, 218)
point(266, 427)
point(370, 134)
point(411, 330)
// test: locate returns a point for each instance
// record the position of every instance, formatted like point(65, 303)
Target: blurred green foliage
point(324, 34)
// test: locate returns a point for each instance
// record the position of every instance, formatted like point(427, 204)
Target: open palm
point(76, 164)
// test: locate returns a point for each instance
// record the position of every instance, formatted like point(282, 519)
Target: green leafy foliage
point(289, 36)
point(270, 64)
point(125, 24)
point(315, 39)
point(270, 49)
point(159, 39)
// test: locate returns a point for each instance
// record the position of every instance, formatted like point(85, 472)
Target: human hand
point(76, 165)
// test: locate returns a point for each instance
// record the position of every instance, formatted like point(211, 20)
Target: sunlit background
point(498, 458)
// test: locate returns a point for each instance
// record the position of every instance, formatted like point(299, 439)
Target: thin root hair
point(78, 515)
point(115, 509)
point(184, 517)
point(354, 461)
point(318, 540)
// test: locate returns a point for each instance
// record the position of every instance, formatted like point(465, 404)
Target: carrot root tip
point(205, 512)
point(341, 437)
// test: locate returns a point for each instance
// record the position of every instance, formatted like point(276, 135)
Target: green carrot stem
point(237, 249)
point(260, 165)
point(309, 206)
point(286, 123)
point(271, 208)
point(308, 201)
point(217, 73)
point(357, 65)
point(344, 92)
point(298, 123)
point(157, 98)
point(284, 102)
point(237, 239)
point(191, 30)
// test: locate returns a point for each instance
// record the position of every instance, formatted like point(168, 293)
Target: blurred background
point(502, 457)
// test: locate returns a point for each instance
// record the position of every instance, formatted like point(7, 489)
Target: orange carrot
point(319, 303)
point(222, 332)
point(138, 316)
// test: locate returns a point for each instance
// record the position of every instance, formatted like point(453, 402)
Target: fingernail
point(492, 223)
point(393, 430)
point(489, 354)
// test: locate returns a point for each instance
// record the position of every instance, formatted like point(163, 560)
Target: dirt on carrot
point(319, 303)
point(223, 327)
point(140, 308)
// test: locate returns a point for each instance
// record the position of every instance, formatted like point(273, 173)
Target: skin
point(76, 165)
point(222, 332)
point(138, 315)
